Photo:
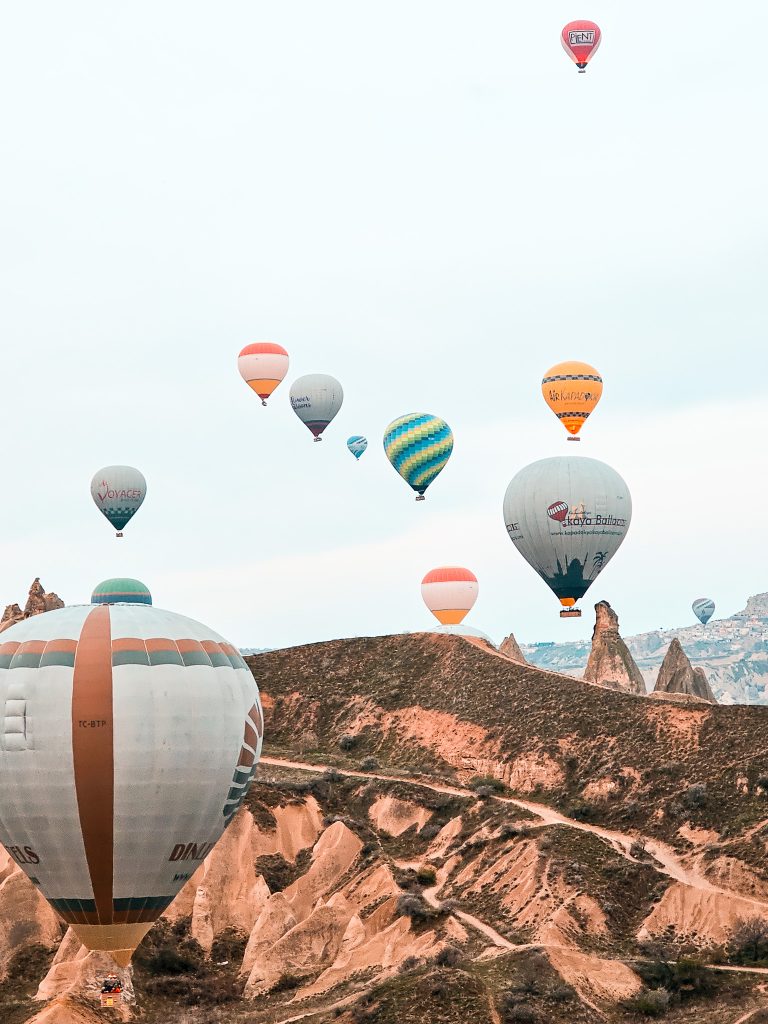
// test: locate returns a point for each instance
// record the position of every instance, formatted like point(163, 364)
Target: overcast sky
point(427, 201)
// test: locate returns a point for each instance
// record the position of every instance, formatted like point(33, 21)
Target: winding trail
point(667, 862)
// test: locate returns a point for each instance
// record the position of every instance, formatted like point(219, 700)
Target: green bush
point(748, 943)
point(489, 782)
point(650, 1003)
point(580, 810)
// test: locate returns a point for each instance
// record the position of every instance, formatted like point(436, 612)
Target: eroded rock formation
point(38, 602)
point(610, 662)
point(510, 648)
point(676, 675)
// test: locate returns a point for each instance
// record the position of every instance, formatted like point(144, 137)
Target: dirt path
point(667, 861)
point(430, 895)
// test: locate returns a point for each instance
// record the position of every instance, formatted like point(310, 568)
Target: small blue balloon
point(357, 445)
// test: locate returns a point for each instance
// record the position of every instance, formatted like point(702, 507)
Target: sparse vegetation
point(347, 742)
point(748, 943)
point(650, 1002)
point(695, 795)
point(278, 872)
point(449, 956)
point(580, 810)
point(487, 782)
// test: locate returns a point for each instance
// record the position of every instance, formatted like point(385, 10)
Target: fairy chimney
point(610, 662)
point(677, 675)
point(511, 649)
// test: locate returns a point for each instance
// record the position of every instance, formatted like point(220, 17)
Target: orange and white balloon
point(262, 366)
point(449, 592)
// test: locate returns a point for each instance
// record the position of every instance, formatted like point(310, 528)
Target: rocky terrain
point(38, 601)
point(440, 833)
point(732, 652)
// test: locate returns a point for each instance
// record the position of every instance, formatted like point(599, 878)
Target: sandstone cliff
point(610, 662)
point(676, 675)
point(38, 602)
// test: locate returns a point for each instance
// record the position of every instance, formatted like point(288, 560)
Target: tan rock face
point(76, 972)
point(610, 662)
point(37, 603)
point(676, 675)
point(509, 648)
point(25, 917)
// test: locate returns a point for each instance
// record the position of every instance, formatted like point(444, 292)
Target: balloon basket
point(119, 533)
point(572, 438)
point(317, 439)
point(263, 403)
point(111, 999)
point(570, 613)
point(421, 497)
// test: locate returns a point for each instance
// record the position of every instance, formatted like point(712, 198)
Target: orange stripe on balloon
point(93, 754)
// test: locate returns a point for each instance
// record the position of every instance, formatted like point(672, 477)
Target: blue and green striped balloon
point(121, 590)
point(418, 446)
point(357, 444)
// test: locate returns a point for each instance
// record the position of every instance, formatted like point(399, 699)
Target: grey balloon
point(567, 517)
point(703, 609)
point(316, 398)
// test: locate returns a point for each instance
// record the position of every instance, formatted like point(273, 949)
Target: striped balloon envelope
point(572, 390)
point(129, 739)
point(418, 446)
point(121, 591)
point(449, 592)
point(357, 444)
point(262, 366)
point(703, 609)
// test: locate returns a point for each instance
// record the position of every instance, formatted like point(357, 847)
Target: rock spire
point(677, 675)
point(610, 662)
point(511, 649)
point(37, 603)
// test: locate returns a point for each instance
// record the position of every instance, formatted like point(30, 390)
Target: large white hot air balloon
point(567, 517)
point(316, 398)
point(129, 740)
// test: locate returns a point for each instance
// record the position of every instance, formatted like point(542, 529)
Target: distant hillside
point(733, 652)
point(439, 833)
point(440, 703)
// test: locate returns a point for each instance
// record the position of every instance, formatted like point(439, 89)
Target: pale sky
point(425, 200)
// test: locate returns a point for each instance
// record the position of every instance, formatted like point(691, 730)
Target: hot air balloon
point(572, 390)
point(580, 41)
point(316, 398)
point(449, 592)
point(357, 445)
point(703, 609)
point(262, 366)
point(121, 591)
point(118, 492)
point(567, 517)
point(418, 446)
point(130, 739)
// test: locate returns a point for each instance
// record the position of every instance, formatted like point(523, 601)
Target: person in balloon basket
point(112, 985)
